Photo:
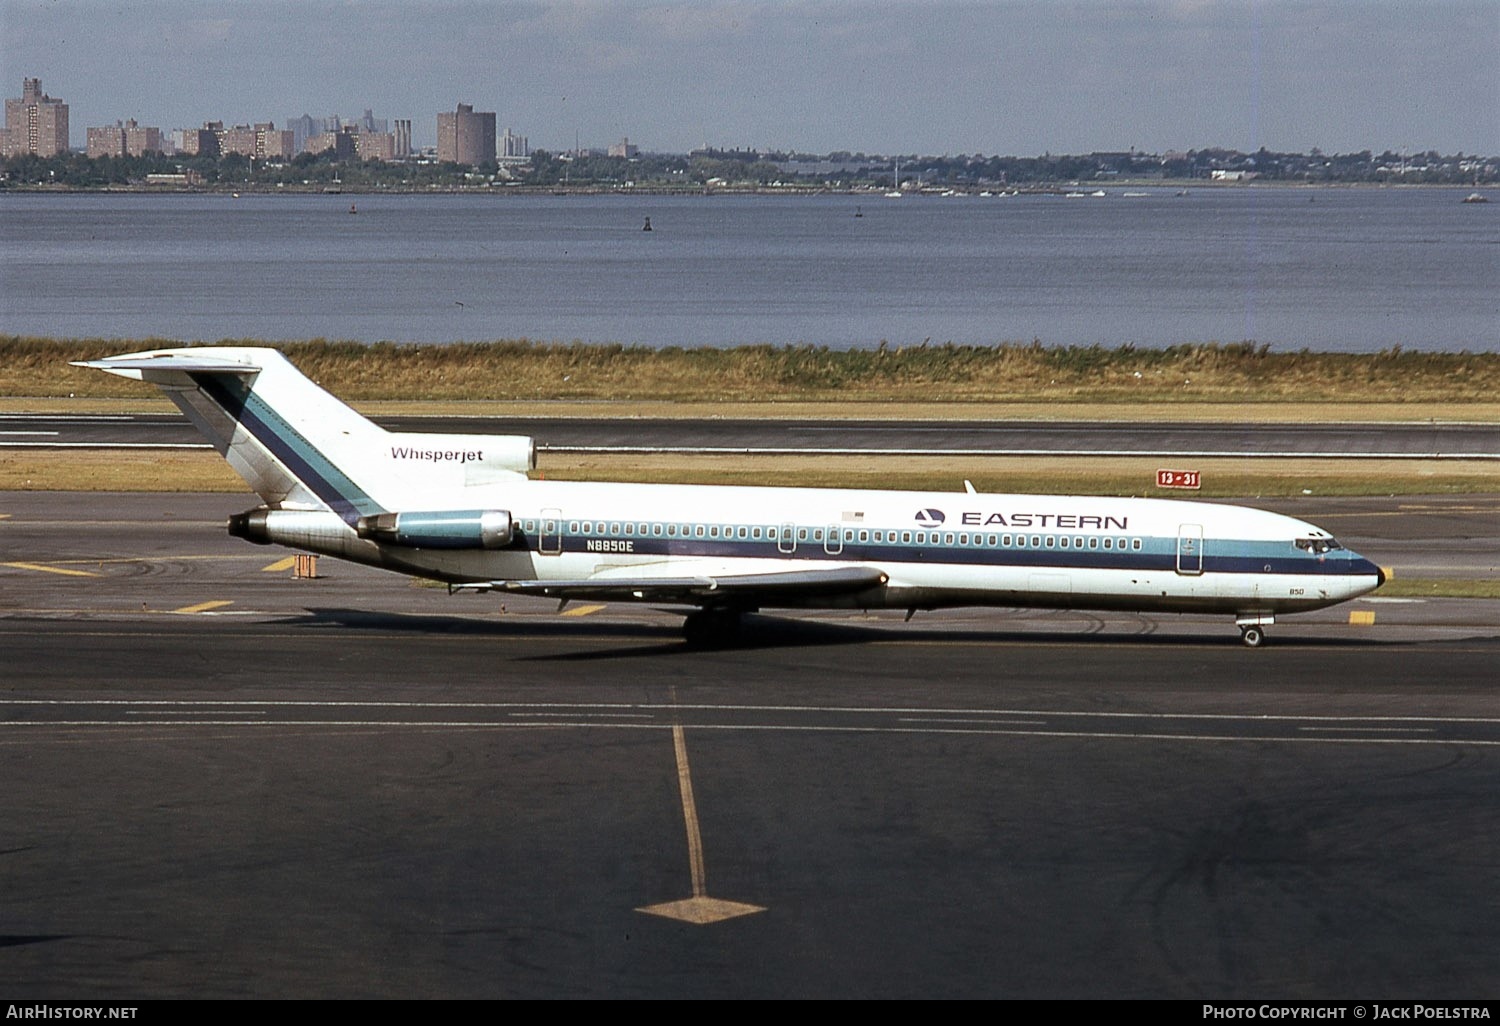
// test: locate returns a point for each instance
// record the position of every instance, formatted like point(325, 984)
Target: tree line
point(707, 168)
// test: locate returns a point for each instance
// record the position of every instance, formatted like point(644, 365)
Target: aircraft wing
point(702, 590)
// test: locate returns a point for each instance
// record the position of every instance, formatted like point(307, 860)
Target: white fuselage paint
point(1017, 555)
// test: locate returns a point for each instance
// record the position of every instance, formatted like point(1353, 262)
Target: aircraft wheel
point(711, 628)
point(1252, 636)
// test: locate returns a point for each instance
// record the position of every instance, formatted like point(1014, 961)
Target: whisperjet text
point(439, 455)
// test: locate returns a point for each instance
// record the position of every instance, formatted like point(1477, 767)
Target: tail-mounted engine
point(449, 529)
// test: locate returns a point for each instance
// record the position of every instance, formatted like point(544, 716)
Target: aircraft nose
point(1360, 565)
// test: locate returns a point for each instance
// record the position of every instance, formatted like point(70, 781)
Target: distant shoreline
point(1185, 185)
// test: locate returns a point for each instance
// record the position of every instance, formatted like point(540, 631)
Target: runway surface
point(1091, 438)
point(221, 781)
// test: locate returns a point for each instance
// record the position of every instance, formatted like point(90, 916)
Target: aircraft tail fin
point(295, 444)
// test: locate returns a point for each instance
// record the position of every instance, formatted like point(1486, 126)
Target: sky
point(930, 77)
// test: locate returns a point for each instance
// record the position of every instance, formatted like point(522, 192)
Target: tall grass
point(523, 369)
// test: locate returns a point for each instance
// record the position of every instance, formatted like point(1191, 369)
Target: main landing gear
point(711, 628)
point(1253, 629)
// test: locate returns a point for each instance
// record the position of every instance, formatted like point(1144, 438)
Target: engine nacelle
point(314, 530)
point(445, 529)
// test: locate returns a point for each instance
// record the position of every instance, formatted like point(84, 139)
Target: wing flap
point(707, 589)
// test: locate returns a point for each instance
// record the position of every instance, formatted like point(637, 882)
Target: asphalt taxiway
point(224, 781)
point(1392, 440)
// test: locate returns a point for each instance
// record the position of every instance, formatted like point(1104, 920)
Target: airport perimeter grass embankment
point(1055, 376)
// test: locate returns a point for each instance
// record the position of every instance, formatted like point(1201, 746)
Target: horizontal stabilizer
point(790, 585)
point(132, 366)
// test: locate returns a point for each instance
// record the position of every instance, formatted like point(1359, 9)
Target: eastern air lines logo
point(930, 518)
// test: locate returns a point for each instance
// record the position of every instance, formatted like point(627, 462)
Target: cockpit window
point(1317, 546)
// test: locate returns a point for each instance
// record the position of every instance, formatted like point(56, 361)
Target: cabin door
point(786, 542)
point(549, 539)
point(833, 542)
point(1190, 549)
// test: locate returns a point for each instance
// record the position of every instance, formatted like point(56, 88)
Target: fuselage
point(935, 548)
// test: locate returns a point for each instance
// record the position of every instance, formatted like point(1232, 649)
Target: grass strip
point(1441, 587)
point(524, 370)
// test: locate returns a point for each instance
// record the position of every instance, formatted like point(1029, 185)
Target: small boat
point(895, 192)
point(1476, 197)
point(647, 226)
point(352, 209)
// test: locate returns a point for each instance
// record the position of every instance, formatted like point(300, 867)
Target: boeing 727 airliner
point(461, 509)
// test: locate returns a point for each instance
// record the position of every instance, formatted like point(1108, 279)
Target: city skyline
point(1018, 78)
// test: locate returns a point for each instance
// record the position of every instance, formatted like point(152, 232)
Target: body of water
point(1351, 270)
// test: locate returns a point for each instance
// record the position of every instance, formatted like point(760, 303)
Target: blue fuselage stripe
point(1155, 555)
point(306, 462)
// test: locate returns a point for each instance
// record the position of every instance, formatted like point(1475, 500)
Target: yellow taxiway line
point(42, 568)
